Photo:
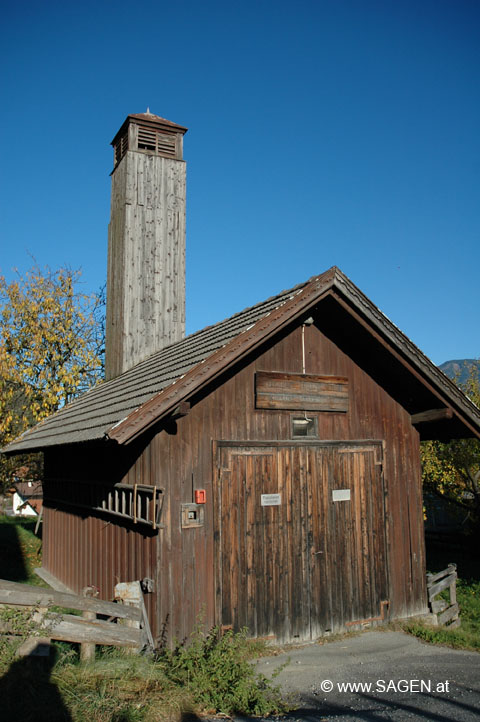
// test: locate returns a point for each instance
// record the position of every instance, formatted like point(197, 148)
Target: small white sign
point(271, 499)
point(340, 494)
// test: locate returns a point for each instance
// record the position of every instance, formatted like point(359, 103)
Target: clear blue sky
point(327, 132)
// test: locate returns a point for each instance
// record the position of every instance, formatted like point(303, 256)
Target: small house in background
point(27, 493)
point(27, 498)
point(264, 471)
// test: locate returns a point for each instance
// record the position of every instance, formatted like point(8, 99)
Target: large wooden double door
point(300, 537)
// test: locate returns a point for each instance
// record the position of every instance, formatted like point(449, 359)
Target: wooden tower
point(146, 242)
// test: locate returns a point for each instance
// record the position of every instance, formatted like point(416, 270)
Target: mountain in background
point(459, 369)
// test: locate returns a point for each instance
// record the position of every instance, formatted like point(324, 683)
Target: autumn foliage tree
point(452, 470)
point(51, 348)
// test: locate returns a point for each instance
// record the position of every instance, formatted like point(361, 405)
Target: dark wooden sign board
point(303, 392)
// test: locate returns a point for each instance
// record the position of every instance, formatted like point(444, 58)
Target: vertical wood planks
point(146, 259)
point(317, 565)
point(183, 563)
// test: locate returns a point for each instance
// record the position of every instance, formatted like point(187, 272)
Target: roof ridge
point(132, 401)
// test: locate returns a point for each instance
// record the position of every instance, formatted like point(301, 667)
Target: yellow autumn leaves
point(452, 470)
point(51, 345)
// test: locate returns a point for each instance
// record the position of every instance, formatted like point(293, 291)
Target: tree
point(452, 470)
point(51, 348)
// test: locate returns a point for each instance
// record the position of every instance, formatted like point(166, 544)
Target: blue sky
point(328, 132)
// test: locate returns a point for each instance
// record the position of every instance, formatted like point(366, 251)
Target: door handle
point(315, 553)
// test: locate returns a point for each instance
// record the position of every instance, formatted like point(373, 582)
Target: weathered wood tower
point(146, 242)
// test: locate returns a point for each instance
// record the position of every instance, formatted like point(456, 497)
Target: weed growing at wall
point(216, 669)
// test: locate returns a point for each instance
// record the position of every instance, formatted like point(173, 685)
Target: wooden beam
point(14, 593)
point(424, 417)
point(182, 409)
point(69, 628)
point(448, 614)
point(440, 586)
point(432, 578)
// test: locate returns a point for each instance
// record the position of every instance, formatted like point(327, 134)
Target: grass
point(209, 675)
point(119, 687)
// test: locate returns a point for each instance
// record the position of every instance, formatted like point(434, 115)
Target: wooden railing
point(124, 624)
point(137, 503)
point(444, 611)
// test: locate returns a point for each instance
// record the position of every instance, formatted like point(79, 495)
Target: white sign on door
point(340, 494)
point(271, 499)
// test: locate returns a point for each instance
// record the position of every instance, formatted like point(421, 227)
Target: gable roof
point(125, 407)
point(29, 490)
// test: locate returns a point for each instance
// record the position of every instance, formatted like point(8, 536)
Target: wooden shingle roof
point(103, 407)
point(125, 407)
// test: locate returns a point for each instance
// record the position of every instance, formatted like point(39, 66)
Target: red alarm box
point(200, 496)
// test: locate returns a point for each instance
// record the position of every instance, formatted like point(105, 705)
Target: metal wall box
point(200, 496)
point(193, 515)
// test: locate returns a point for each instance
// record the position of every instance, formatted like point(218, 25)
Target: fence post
point(87, 649)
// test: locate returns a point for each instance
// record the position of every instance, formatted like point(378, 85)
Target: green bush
point(216, 669)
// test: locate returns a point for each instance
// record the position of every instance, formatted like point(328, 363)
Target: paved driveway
point(402, 678)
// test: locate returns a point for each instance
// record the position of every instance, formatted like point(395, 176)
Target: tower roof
point(150, 119)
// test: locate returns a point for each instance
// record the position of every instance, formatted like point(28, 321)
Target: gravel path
point(402, 678)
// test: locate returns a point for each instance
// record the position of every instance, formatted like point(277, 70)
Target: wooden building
point(265, 471)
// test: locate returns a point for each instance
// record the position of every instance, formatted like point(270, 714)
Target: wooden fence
point(444, 611)
point(123, 623)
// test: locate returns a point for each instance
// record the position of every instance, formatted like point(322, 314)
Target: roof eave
point(405, 351)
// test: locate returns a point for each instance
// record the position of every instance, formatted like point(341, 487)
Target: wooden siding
point(146, 259)
point(87, 550)
point(181, 458)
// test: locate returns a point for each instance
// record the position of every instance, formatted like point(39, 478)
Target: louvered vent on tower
point(149, 134)
point(120, 148)
point(153, 141)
